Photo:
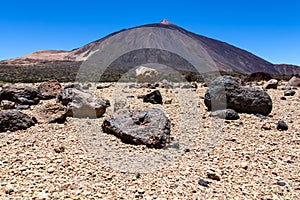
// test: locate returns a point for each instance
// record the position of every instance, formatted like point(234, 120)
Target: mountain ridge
point(226, 57)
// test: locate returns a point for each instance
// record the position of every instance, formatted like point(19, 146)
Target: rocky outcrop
point(20, 95)
point(82, 104)
point(13, 120)
point(226, 92)
point(50, 89)
point(149, 127)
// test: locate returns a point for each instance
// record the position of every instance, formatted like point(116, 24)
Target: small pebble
point(281, 183)
point(203, 182)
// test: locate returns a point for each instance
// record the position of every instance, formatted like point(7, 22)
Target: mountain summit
point(210, 53)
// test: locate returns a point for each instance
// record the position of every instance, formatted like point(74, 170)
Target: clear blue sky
point(269, 29)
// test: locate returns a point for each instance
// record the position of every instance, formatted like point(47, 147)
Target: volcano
point(163, 43)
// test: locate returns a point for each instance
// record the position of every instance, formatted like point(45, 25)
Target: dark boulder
point(228, 114)
point(13, 120)
point(153, 97)
point(20, 95)
point(50, 89)
point(226, 92)
point(149, 127)
point(82, 104)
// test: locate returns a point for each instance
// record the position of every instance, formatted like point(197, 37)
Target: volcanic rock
point(51, 113)
point(271, 84)
point(281, 125)
point(20, 95)
point(228, 114)
point(153, 97)
point(146, 74)
point(289, 93)
point(226, 92)
point(294, 81)
point(150, 127)
point(50, 89)
point(5, 105)
point(12, 120)
point(82, 104)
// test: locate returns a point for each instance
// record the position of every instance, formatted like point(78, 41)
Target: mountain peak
point(164, 21)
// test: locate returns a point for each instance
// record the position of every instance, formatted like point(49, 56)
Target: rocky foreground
point(66, 154)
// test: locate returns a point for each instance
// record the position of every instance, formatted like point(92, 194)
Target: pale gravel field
point(94, 165)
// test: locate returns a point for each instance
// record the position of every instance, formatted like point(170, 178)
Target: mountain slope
point(212, 54)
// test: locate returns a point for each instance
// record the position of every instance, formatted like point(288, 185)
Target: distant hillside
point(213, 54)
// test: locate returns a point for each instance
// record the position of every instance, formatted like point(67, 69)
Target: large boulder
point(149, 127)
point(146, 74)
point(50, 89)
point(12, 120)
point(226, 92)
point(50, 113)
point(82, 104)
point(20, 95)
point(294, 82)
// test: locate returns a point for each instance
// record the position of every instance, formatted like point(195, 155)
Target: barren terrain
point(240, 159)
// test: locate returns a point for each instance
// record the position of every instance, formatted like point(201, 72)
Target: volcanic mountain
point(163, 43)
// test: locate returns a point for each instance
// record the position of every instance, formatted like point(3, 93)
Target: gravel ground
point(238, 159)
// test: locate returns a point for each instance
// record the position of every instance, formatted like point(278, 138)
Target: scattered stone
point(203, 182)
point(51, 113)
point(20, 95)
point(168, 101)
point(82, 104)
point(227, 114)
point(9, 189)
point(5, 105)
point(186, 150)
point(141, 96)
point(244, 165)
point(214, 175)
point(166, 84)
point(282, 126)
point(73, 85)
point(50, 89)
point(99, 87)
point(153, 97)
point(226, 92)
point(294, 81)
point(130, 97)
point(137, 175)
point(289, 93)
point(150, 127)
point(23, 107)
point(282, 98)
point(12, 120)
point(86, 86)
point(271, 84)
point(281, 183)
point(50, 170)
point(146, 74)
point(59, 149)
point(266, 126)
